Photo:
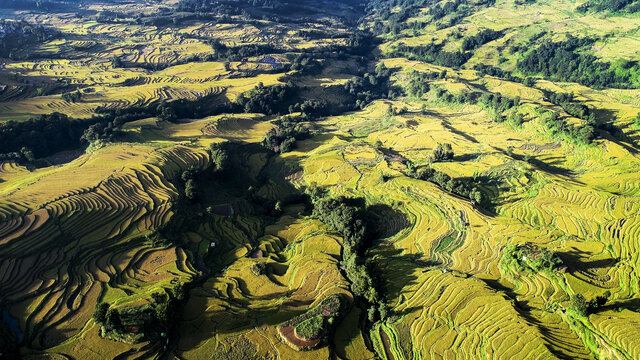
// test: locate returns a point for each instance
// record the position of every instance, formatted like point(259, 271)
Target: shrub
point(443, 152)
point(311, 328)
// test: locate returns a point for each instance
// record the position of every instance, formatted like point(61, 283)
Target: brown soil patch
point(386, 342)
point(223, 210)
point(288, 334)
point(257, 254)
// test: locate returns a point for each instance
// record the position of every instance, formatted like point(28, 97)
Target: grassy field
point(96, 227)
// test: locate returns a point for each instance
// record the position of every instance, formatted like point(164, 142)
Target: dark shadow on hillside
point(385, 221)
point(576, 261)
point(551, 167)
point(447, 125)
point(630, 304)
point(524, 309)
point(395, 269)
point(466, 157)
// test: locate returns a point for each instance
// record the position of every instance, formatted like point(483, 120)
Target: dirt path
point(386, 342)
point(288, 333)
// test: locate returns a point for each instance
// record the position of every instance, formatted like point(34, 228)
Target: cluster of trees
point(438, 11)
point(140, 323)
point(72, 97)
point(573, 108)
point(481, 38)
point(100, 132)
point(191, 178)
point(484, 69)
point(419, 82)
point(347, 217)
point(432, 53)
point(461, 187)
point(497, 104)
point(494, 104)
point(238, 53)
point(268, 100)
point(581, 134)
point(581, 307)
point(371, 86)
point(391, 20)
point(442, 152)
point(627, 6)
point(561, 61)
point(289, 129)
point(305, 64)
point(40, 137)
point(529, 258)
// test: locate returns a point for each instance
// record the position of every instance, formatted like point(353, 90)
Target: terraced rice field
point(98, 227)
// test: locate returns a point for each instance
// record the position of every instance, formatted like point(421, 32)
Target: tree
point(191, 189)
point(100, 313)
point(116, 62)
point(579, 305)
point(165, 311)
point(219, 156)
point(442, 152)
point(167, 112)
point(113, 319)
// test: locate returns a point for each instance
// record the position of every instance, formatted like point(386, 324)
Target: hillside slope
point(384, 179)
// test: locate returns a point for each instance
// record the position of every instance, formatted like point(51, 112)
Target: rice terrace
point(356, 179)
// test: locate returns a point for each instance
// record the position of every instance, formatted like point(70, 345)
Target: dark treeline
point(20, 34)
point(561, 61)
point(289, 128)
point(627, 6)
point(419, 82)
point(557, 126)
point(438, 11)
point(348, 217)
point(370, 86)
point(395, 21)
point(490, 70)
point(573, 108)
point(268, 100)
point(481, 38)
point(273, 10)
point(40, 137)
point(238, 53)
point(466, 188)
point(45, 135)
point(496, 105)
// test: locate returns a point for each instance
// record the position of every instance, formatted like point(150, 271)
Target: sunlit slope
point(586, 214)
point(70, 236)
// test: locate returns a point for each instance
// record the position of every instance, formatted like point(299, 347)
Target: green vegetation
point(443, 152)
point(529, 259)
point(356, 179)
point(311, 328)
point(561, 61)
point(316, 324)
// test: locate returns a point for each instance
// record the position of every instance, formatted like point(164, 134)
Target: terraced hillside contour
point(416, 179)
